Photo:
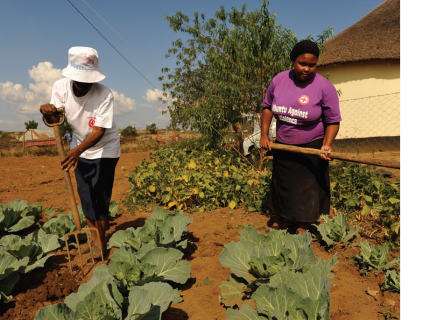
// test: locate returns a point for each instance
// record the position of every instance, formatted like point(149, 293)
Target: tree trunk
point(239, 137)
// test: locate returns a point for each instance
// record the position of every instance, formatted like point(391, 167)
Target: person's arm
point(331, 130)
point(266, 118)
point(72, 158)
point(103, 121)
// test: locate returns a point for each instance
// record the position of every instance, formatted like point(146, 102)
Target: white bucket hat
point(83, 65)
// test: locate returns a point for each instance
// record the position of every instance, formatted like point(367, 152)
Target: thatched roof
point(376, 36)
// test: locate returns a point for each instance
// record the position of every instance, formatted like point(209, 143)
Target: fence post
point(166, 134)
point(24, 141)
point(31, 134)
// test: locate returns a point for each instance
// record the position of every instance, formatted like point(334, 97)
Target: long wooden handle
point(338, 155)
point(67, 178)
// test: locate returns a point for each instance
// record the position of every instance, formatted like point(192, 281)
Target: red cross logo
point(304, 99)
point(91, 123)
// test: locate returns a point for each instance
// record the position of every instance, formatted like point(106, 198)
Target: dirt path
point(38, 179)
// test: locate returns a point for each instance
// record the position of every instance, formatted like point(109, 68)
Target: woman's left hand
point(326, 148)
point(71, 159)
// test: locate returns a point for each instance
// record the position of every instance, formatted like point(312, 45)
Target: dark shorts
point(300, 189)
point(95, 179)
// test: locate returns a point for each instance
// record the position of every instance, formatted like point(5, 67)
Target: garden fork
point(71, 197)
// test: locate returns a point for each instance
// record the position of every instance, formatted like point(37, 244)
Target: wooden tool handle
point(67, 178)
point(338, 155)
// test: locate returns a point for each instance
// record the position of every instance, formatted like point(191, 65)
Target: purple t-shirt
point(301, 109)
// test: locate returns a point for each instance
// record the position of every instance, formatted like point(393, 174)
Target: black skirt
point(95, 179)
point(300, 189)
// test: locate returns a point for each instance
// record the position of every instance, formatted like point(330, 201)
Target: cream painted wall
point(370, 98)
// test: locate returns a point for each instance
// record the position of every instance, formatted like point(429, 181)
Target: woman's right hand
point(265, 142)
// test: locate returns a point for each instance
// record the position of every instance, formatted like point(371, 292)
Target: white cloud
point(8, 121)
point(45, 75)
point(123, 104)
point(152, 95)
point(29, 100)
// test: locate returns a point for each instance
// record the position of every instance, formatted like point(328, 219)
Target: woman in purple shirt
point(306, 108)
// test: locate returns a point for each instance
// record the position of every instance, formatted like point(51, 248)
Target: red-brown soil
point(38, 179)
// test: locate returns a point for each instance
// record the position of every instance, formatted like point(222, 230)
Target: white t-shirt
point(96, 108)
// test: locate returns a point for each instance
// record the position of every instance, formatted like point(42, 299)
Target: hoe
point(71, 197)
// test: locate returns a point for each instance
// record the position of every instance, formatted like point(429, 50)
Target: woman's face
point(305, 66)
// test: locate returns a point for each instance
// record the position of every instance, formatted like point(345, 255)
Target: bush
point(152, 128)
point(359, 190)
point(188, 178)
point(129, 131)
point(4, 135)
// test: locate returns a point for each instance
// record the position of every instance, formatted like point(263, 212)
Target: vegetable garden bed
point(353, 294)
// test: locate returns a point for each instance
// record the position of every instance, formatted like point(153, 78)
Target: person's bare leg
point(92, 224)
point(102, 226)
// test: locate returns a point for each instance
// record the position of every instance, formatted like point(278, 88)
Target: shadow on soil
point(129, 224)
point(173, 313)
point(192, 247)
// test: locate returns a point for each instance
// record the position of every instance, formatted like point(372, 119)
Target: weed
point(387, 314)
point(231, 213)
point(229, 226)
point(205, 234)
point(205, 282)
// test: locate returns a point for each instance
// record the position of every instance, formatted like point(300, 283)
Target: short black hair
point(302, 47)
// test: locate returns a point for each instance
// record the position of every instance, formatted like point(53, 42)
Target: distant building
point(40, 137)
point(364, 61)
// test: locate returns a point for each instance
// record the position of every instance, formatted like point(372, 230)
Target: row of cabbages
point(17, 255)
point(135, 284)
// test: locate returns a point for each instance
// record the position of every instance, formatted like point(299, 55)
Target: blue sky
point(36, 37)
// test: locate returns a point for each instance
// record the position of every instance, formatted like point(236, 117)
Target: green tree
point(32, 124)
point(225, 67)
point(129, 131)
point(65, 128)
point(152, 128)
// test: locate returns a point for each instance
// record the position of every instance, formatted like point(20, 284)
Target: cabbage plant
point(150, 264)
point(392, 282)
point(374, 258)
point(17, 215)
point(278, 275)
point(163, 228)
point(63, 224)
point(10, 268)
point(100, 299)
point(35, 247)
point(337, 230)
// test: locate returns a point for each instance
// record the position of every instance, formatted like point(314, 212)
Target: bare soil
point(38, 179)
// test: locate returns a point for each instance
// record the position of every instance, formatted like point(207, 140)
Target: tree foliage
point(32, 124)
point(225, 67)
point(65, 128)
point(152, 128)
point(129, 131)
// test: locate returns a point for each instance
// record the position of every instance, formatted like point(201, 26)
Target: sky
point(36, 36)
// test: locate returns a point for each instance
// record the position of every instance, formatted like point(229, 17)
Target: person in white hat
point(95, 150)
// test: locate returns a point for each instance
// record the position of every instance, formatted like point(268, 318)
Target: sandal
point(96, 253)
point(86, 248)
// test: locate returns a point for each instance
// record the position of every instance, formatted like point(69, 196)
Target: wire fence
point(369, 124)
